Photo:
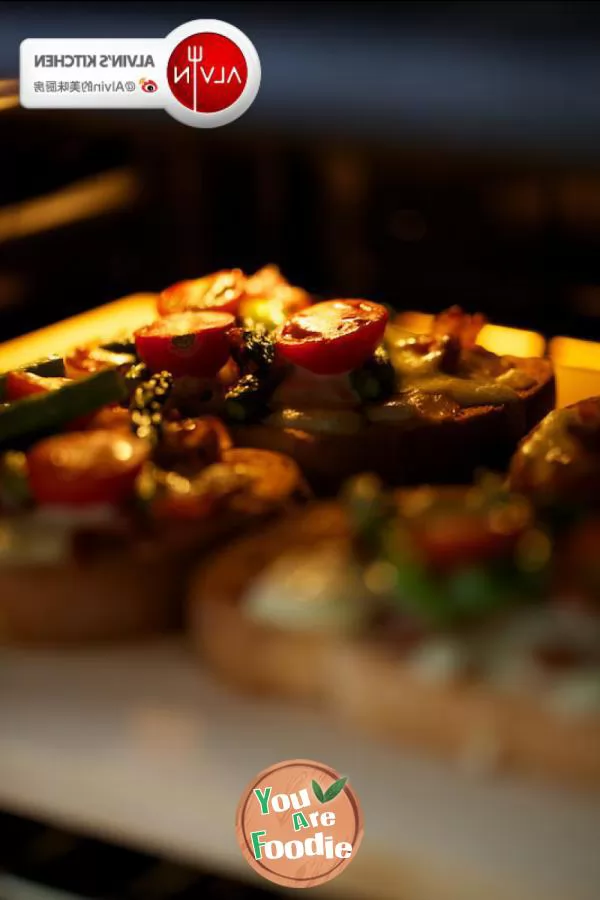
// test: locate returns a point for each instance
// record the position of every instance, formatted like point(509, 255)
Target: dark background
point(417, 153)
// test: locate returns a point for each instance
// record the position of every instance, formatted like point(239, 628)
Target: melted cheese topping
point(475, 388)
point(548, 445)
point(44, 536)
point(328, 404)
point(317, 421)
point(321, 591)
point(412, 364)
point(397, 409)
point(319, 404)
point(517, 379)
point(468, 391)
point(302, 389)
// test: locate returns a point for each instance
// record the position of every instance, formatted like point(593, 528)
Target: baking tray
point(137, 745)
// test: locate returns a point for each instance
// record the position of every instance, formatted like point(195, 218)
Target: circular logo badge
point(299, 823)
point(213, 73)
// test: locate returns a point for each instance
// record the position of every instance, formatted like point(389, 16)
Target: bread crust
point(365, 683)
point(70, 603)
point(437, 451)
point(136, 586)
point(572, 480)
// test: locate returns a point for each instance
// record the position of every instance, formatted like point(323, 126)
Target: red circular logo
point(207, 72)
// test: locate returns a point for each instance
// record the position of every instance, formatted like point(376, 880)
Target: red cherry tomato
point(84, 361)
point(84, 468)
point(333, 337)
point(24, 384)
point(222, 291)
point(111, 417)
point(451, 540)
point(186, 343)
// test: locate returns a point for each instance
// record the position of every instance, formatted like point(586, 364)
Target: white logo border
point(223, 116)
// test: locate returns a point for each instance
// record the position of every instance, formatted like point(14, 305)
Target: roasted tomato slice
point(451, 540)
point(268, 286)
point(186, 343)
point(188, 445)
point(332, 337)
point(265, 281)
point(220, 291)
point(112, 417)
point(84, 468)
point(24, 384)
point(458, 324)
point(84, 361)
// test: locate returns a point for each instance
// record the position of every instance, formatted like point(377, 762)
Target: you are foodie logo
point(299, 823)
point(205, 73)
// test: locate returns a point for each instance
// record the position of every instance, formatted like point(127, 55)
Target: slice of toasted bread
point(418, 450)
point(559, 461)
point(116, 596)
point(122, 587)
point(368, 683)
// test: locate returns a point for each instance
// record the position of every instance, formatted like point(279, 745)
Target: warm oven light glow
point(574, 353)
point(103, 323)
point(419, 323)
point(511, 341)
point(577, 365)
point(497, 338)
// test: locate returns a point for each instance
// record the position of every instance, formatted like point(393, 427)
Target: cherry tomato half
point(84, 361)
point(24, 384)
point(186, 343)
point(84, 468)
point(221, 291)
point(111, 417)
point(333, 337)
point(450, 540)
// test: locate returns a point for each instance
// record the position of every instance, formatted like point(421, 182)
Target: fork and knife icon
point(195, 55)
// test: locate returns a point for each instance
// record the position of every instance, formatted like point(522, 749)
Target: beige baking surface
point(105, 322)
point(136, 744)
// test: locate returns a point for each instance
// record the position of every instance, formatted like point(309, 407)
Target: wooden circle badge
point(299, 823)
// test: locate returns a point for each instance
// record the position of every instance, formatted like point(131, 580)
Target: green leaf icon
point(334, 789)
point(318, 791)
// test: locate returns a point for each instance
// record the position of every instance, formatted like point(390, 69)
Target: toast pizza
point(333, 386)
point(436, 617)
point(348, 396)
point(559, 461)
point(108, 495)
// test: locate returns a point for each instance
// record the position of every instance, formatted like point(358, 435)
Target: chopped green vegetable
point(124, 346)
point(370, 509)
point(136, 375)
point(466, 594)
point(14, 482)
point(147, 405)
point(40, 414)
point(246, 400)
point(255, 351)
point(376, 379)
